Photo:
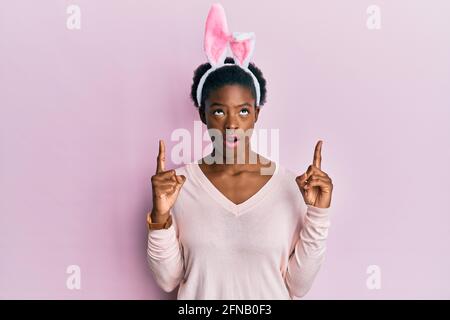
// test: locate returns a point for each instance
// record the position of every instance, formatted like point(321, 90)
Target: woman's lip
point(231, 144)
point(231, 138)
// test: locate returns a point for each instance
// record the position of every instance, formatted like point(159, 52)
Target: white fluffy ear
point(216, 35)
point(242, 45)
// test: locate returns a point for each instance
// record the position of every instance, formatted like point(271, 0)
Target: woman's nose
point(231, 123)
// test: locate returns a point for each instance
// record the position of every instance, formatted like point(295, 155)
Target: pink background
point(81, 112)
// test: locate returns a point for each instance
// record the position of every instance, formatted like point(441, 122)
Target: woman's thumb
point(181, 179)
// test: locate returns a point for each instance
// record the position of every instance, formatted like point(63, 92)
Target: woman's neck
point(238, 163)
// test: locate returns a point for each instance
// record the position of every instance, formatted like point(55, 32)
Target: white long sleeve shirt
point(269, 247)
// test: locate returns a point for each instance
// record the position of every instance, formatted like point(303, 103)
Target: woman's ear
point(256, 113)
point(201, 112)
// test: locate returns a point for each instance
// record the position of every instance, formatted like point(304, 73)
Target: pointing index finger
point(317, 161)
point(161, 160)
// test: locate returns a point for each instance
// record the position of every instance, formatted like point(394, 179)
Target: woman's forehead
point(231, 95)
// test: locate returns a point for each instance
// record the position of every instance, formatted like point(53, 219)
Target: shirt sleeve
point(309, 252)
point(164, 256)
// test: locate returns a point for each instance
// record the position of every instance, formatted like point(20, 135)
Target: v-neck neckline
point(218, 196)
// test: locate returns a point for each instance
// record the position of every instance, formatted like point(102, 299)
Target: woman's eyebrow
point(245, 104)
point(217, 104)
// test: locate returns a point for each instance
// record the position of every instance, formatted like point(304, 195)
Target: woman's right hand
point(166, 186)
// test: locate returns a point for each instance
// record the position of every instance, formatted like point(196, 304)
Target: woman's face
point(231, 110)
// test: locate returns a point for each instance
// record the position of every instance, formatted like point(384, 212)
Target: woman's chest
point(269, 226)
point(240, 188)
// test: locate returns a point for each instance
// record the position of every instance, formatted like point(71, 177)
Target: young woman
point(222, 229)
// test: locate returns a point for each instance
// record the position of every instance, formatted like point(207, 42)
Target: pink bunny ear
point(242, 45)
point(216, 35)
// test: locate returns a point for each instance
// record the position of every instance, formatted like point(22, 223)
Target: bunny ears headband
point(216, 41)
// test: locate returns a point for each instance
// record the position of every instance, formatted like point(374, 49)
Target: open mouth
point(231, 140)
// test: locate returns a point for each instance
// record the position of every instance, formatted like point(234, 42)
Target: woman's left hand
point(315, 185)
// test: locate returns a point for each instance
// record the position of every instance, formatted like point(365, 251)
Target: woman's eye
point(217, 112)
point(246, 111)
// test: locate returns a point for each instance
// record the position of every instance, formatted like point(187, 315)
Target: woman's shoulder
point(286, 172)
point(185, 168)
point(288, 177)
point(190, 170)
point(289, 186)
